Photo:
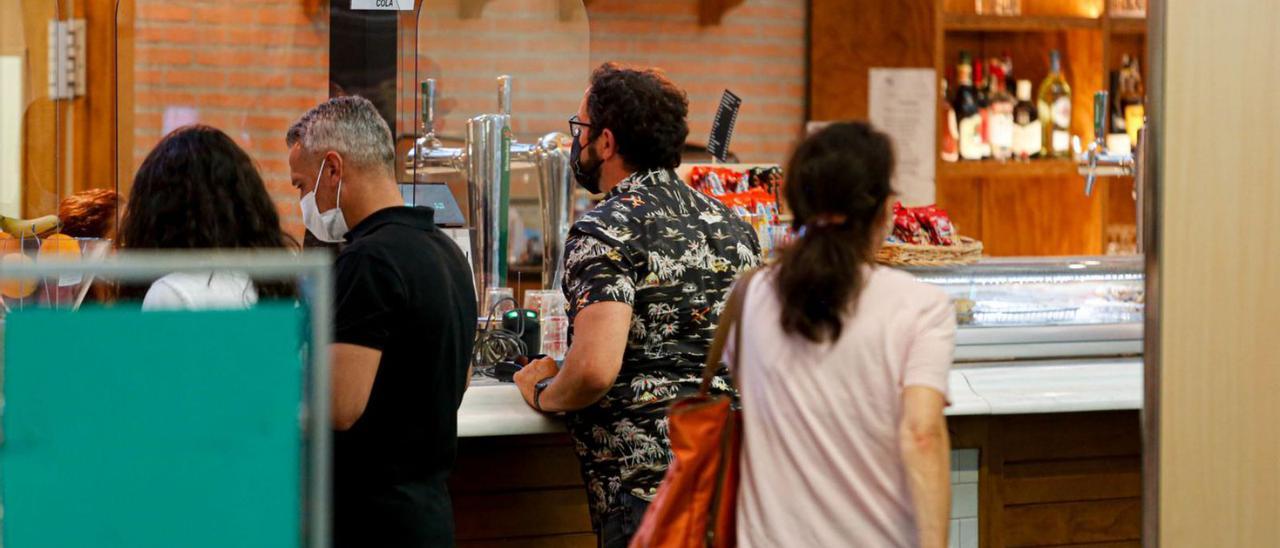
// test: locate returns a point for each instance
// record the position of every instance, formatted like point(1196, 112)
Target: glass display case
point(1011, 309)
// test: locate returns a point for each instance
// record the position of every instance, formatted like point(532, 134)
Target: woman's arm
point(926, 451)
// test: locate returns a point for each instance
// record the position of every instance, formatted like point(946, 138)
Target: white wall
point(12, 79)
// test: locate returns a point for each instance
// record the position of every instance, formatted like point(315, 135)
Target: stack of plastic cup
point(554, 322)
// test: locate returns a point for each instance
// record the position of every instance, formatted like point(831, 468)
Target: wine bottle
point(1009, 82)
point(950, 130)
point(968, 114)
point(1026, 124)
point(983, 83)
point(1131, 99)
point(1000, 119)
point(1055, 111)
point(1116, 84)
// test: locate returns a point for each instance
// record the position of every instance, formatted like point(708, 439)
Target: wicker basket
point(966, 251)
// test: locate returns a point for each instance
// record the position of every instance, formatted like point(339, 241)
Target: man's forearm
point(591, 366)
point(570, 392)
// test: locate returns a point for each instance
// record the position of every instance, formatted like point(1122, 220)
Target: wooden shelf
point(991, 169)
point(1016, 23)
point(1129, 25)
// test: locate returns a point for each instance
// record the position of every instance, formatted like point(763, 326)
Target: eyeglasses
point(576, 125)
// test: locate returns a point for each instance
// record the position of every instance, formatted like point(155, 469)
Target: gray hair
point(350, 126)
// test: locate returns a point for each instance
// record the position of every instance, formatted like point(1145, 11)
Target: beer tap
point(1096, 160)
point(555, 188)
point(427, 151)
point(485, 160)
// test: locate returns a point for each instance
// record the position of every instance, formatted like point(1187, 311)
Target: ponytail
point(838, 184)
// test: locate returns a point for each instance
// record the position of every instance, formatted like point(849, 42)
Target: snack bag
point(937, 223)
point(907, 227)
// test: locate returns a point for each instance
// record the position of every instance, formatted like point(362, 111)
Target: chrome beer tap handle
point(1096, 161)
point(504, 95)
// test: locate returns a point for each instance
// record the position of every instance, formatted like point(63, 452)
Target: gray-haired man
point(404, 327)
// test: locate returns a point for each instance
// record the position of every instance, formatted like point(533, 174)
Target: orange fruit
point(16, 289)
point(9, 244)
point(60, 246)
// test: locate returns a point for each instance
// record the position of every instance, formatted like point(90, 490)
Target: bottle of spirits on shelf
point(968, 115)
point(1131, 99)
point(1000, 119)
point(1055, 111)
point(1115, 85)
point(1026, 124)
point(1007, 63)
point(983, 81)
point(950, 129)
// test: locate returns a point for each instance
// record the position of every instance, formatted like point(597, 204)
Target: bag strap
point(731, 318)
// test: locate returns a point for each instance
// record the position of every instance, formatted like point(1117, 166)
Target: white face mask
point(329, 226)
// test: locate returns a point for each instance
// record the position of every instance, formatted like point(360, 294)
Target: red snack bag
point(937, 223)
point(907, 227)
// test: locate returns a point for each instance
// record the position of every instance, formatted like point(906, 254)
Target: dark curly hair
point(838, 182)
point(199, 190)
point(646, 113)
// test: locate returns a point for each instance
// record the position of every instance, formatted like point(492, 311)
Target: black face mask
point(587, 177)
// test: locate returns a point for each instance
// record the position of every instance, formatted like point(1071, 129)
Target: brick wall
point(758, 52)
point(251, 68)
point(248, 68)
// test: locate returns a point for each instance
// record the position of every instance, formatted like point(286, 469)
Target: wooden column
point(1219, 274)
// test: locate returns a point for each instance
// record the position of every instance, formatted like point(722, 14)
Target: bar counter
point(1043, 453)
point(492, 408)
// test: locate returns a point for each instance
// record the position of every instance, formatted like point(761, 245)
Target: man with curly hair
point(647, 272)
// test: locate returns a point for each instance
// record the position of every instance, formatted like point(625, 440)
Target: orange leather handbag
point(696, 504)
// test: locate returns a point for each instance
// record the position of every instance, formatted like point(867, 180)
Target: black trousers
point(617, 527)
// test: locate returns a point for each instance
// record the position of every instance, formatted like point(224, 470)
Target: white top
point(201, 291)
point(820, 462)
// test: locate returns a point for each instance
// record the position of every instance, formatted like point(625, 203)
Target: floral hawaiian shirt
point(671, 253)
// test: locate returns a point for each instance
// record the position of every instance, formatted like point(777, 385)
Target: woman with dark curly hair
point(646, 272)
point(199, 190)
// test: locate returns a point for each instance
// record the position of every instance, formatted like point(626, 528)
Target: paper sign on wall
point(391, 5)
point(903, 105)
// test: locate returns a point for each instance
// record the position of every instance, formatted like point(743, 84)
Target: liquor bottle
point(968, 115)
point(1026, 124)
point(1132, 99)
point(1007, 62)
point(983, 83)
point(950, 130)
point(1113, 84)
point(1055, 111)
point(1000, 119)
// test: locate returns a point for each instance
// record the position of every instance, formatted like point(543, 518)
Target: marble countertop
point(490, 408)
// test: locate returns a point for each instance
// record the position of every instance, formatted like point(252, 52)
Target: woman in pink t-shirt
point(844, 369)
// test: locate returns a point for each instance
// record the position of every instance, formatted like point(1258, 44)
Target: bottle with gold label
point(1055, 111)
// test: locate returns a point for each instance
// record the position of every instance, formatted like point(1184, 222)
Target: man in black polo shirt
point(404, 326)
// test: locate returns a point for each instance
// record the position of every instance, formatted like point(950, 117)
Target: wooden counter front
point(1045, 480)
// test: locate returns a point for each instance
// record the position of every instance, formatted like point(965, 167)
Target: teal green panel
point(157, 429)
